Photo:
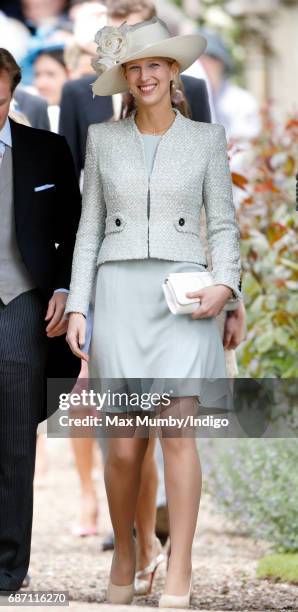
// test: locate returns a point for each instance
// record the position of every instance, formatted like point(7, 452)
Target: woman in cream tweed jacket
point(133, 230)
point(114, 223)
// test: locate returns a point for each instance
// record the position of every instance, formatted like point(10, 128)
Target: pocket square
point(43, 187)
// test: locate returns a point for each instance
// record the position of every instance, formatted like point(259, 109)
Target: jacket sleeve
point(90, 233)
point(68, 209)
point(223, 233)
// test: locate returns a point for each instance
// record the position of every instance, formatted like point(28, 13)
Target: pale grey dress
point(135, 336)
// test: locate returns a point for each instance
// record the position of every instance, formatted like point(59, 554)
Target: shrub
point(268, 222)
point(255, 482)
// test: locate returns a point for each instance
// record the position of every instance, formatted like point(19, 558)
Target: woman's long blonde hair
point(177, 92)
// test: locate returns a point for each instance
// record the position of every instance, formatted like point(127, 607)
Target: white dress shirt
point(117, 103)
point(5, 138)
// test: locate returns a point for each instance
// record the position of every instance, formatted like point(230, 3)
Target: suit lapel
point(23, 172)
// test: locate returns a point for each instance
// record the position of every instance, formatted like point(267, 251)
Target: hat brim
point(185, 49)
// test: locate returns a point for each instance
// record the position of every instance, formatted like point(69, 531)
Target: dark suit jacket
point(33, 107)
point(44, 219)
point(79, 110)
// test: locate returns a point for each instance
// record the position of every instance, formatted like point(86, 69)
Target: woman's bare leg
point(183, 482)
point(122, 480)
point(146, 509)
point(83, 449)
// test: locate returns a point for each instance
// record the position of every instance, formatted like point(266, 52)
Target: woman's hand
point(76, 333)
point(235, 327)
point(212, 300)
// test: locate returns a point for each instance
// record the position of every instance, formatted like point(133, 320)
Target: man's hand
point(55, 314)
point(235, 328)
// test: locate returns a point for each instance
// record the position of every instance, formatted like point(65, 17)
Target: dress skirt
point(138, 345)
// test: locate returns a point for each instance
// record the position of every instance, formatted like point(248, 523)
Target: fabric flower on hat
point(112, 45)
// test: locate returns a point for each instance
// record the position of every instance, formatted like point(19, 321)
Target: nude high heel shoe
point(117, 594)
point(120, 594)
point(176, 601)
point(143, 586)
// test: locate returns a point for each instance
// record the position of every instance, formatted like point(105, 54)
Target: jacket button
point(181, 221)
point(118, 222)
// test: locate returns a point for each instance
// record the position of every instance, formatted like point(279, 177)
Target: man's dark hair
point(122, 8)
point(8, 63)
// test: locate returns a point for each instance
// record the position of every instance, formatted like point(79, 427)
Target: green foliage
point(255, 483)
point(280, 567)
point(268, 221)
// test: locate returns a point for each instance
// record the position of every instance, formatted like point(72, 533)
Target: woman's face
point(49, 78)
point(149, 79)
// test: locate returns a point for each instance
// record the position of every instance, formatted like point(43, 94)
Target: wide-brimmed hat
point(150, 38)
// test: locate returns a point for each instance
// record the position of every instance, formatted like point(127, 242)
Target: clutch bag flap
point(176, 285)
point(188, 281)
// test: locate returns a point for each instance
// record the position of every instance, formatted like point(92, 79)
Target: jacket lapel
point(23, 172)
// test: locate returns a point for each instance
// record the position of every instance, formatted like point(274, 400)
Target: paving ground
point(224, 562)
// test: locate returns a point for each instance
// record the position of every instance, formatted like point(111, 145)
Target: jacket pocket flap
point(115, 223)
point(185, 222)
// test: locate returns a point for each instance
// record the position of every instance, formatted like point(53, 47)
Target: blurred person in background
point(41, 13)
point(50, 74)
point(235, 107)
point(86, 16)
point(76, 7)
point(77, 60)
point(15, 37)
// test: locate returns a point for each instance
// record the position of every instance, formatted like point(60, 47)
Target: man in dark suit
point(79, 110)
point(40, 209)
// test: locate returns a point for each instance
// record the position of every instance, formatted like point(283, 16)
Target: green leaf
point(265, 342)
point(281, 336)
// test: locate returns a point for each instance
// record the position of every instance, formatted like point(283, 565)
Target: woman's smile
point(147, 89)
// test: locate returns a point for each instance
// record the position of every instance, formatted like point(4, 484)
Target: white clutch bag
point(177, 284)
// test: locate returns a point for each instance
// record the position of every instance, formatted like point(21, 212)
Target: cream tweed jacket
point(190, 170)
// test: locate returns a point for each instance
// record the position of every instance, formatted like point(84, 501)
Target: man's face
point(5, 96)
point(131, 19)
point(38, 10)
